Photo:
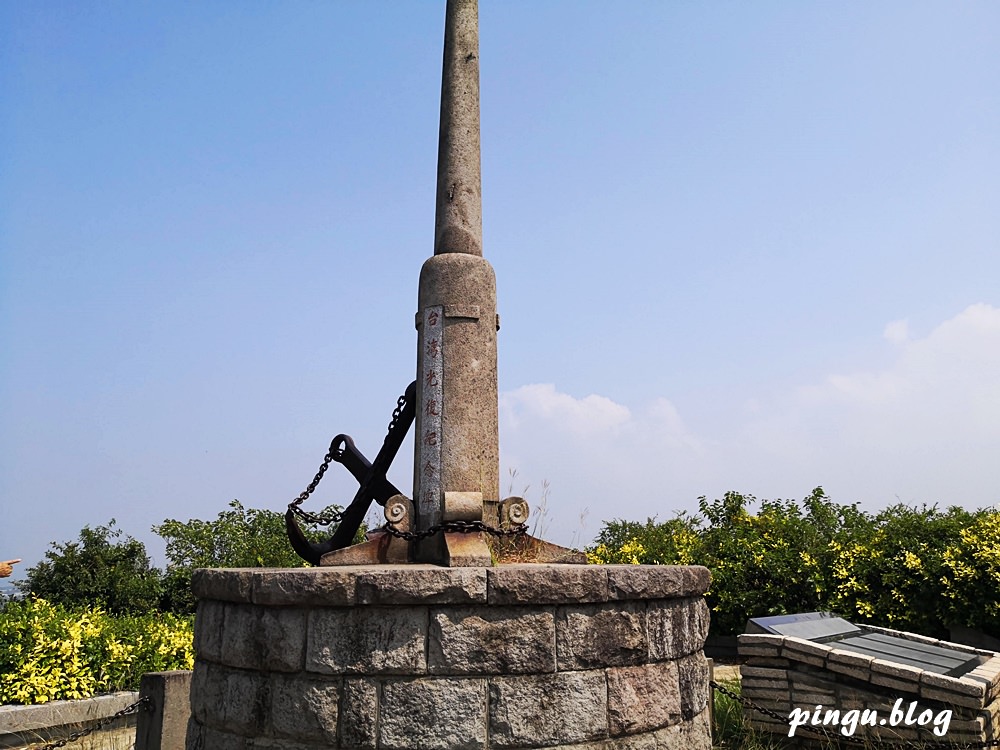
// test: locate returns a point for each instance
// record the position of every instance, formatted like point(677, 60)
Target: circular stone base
point(419, 656)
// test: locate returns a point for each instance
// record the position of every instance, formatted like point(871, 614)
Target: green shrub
point(100, 569)
point(970, 575)
point(50, 652)
point(893, 573)
point(238, 538)
point(917, 569)
point(673, 542)
point(760, 563)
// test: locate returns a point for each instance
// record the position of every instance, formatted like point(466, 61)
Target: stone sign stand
point(447, 649)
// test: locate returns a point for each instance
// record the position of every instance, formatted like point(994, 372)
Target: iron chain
point(335, 453)
point(836, 737)
point(461, 527)
point(322, 519)
point(325, 519)
point(131, 709)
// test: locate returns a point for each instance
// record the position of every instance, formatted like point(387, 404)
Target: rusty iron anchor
point(371, 476)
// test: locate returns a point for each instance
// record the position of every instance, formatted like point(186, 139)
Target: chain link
point(397, 412)
point(839, 738)
point(143, 702)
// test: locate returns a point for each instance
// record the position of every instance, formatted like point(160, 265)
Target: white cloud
point(598, 455)
point(924, 428)
point(585, 417)
point(898, 331)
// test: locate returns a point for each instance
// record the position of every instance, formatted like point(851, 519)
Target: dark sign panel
point(836, 632)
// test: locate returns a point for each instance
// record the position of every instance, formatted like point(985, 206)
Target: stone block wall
point(782, 673)
point(407, 657)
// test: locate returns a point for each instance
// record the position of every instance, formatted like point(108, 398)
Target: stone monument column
point(450, 651)
point(457, 455)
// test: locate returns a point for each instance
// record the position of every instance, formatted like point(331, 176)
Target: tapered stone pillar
point(457, 455)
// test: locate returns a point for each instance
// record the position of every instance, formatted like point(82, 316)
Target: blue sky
point(738, 246)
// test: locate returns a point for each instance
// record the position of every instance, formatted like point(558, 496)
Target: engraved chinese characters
point(431, 397)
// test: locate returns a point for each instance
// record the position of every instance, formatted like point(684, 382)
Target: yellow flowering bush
point(970, 575)
point(49, 652)
point(673, 542)
point(917, 569)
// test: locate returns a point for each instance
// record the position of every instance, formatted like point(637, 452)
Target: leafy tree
point(101, 569)
point(760, 562)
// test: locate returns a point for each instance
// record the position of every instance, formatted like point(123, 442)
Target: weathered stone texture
point(541, 710)
point(952, 690)
point(602, 636)
point(896, 676)
point(263, 638)
point(676, 628)
point(491, 640)
point(433, 714)
point(231, 700)
point(690, 735)
point(304, 587)
point(526, 656)
point(304, 709)
point(693, 735)
point(207, 738)
point(425, 585)
point(223, 584)
point(656, 581)
point(806, 652)
point(370, 640)
point(547, 584)
point(273, 743)
point(762, 646)
point(194, 740)
point(692, 678)
point(208, 624)
point(641, 699)
point(849, 663)
point(359, 714)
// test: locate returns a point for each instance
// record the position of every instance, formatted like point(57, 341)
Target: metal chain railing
point(837, 737)
point(143, 702)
